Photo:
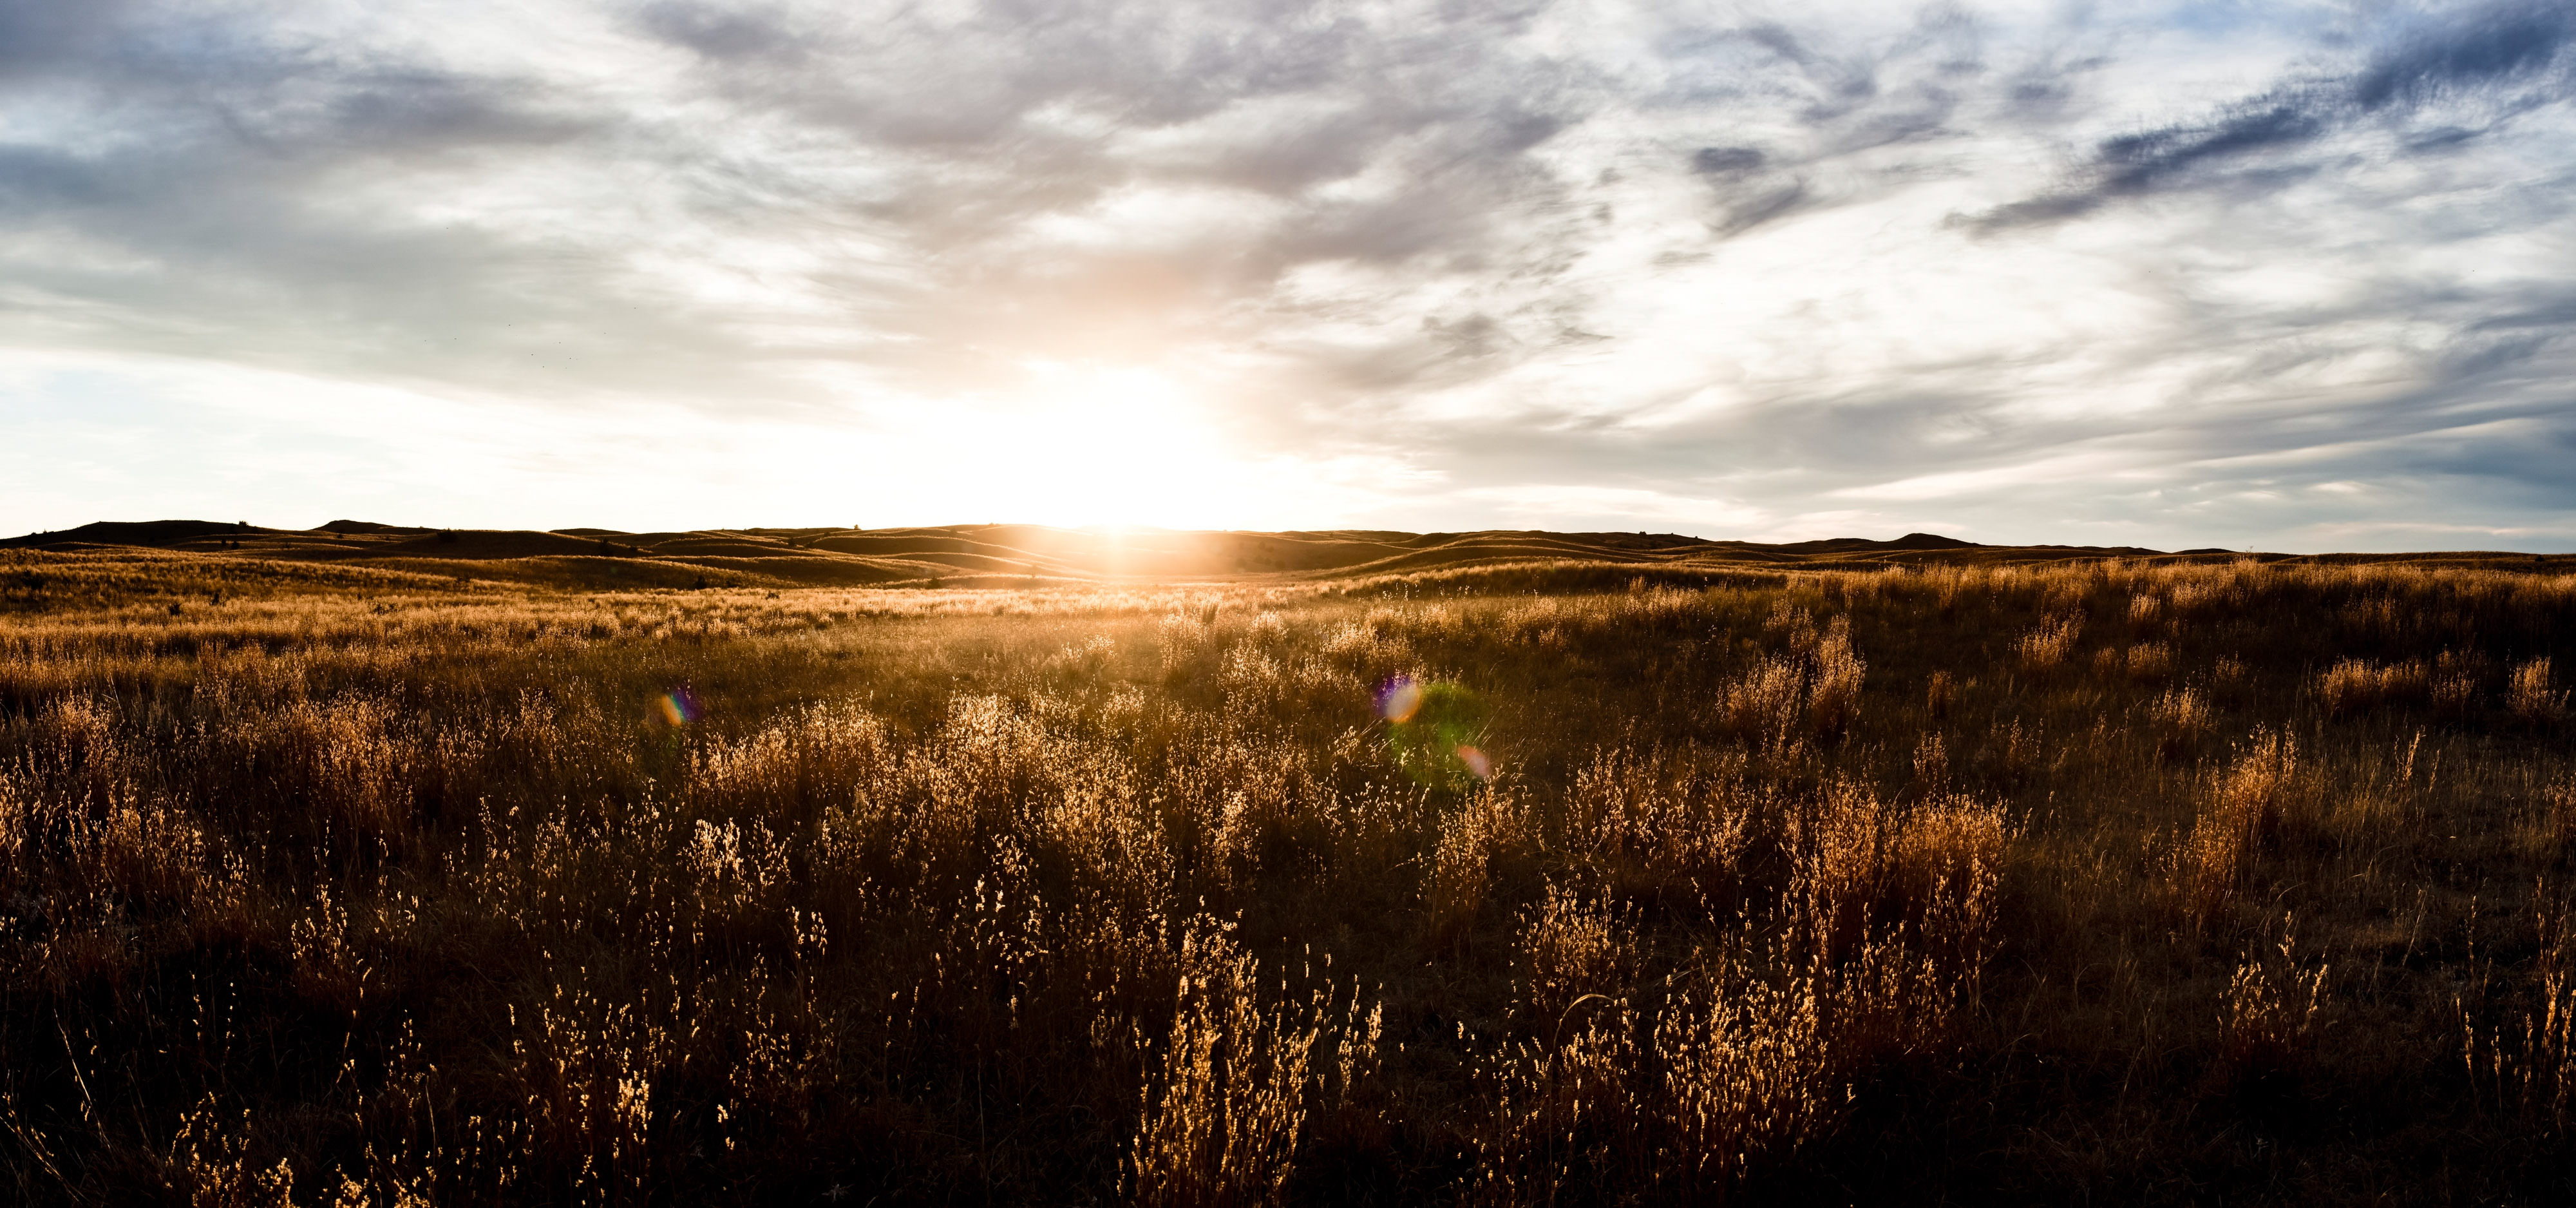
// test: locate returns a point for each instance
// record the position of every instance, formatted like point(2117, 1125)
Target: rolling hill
point(1027, 555)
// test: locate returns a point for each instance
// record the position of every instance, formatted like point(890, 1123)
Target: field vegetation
point(2120, 881)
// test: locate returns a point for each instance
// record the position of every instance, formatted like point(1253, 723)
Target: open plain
point(997, 864)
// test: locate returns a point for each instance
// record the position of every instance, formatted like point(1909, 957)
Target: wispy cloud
point(2434, 80)
point(1445, 265)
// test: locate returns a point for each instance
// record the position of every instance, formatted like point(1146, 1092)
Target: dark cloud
point(38, 37)
point(2139, 162)
point(2232, 143)
point(2454, 59)
point(2486, 46)
point(721, 33)
point(1727, 161)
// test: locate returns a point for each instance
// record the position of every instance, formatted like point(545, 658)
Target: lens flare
point(1400, 699)
point(1431, 727)
point(677, 707)
point(1478, 765)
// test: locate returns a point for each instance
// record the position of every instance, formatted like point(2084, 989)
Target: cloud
point(1727, 161)
point(2485, 46)
point(1773, 263)
point(2491, 60)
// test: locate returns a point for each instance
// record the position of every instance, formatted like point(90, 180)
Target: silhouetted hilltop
point(361, 526)
point(156, 533)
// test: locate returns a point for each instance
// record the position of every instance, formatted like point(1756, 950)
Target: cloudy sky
point(2293, 275)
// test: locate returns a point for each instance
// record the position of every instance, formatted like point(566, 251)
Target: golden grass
point(2025, 883)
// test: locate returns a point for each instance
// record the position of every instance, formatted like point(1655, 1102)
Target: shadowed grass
point(2118, 881)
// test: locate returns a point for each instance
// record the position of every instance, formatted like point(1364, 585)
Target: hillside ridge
point(1033, 555)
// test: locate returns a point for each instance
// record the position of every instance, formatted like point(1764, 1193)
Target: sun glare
point(1125, 446)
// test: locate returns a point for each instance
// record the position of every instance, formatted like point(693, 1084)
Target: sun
point(1088, 445)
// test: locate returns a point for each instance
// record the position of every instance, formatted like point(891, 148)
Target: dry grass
point(2104, 881)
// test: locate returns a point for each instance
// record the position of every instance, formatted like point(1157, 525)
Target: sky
point(2296, 276)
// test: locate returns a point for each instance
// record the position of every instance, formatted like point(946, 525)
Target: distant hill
point(1022, 554)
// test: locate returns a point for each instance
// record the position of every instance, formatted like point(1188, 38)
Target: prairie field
point(2105, 880)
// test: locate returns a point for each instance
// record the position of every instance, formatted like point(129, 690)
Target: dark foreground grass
point(2104, 883)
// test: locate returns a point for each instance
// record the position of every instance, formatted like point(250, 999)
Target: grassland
point(1494, 879)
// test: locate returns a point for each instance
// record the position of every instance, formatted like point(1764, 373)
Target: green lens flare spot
point(1433, 729)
